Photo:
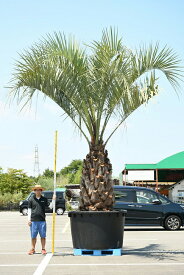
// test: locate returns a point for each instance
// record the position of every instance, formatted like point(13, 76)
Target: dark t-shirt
point(37, 208)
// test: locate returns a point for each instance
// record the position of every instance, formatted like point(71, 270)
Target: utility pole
point(36, 163)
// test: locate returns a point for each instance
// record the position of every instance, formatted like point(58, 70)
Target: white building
point(176, 192)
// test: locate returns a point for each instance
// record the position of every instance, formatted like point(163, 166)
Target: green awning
point(175, 161)
point(140, 166)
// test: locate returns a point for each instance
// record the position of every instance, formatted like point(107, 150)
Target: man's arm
point(29, 212)
point(29, 215)
point(52, 202)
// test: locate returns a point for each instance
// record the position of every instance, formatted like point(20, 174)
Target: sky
point(151, 133)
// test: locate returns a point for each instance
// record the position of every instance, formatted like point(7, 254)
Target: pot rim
point(79, 212)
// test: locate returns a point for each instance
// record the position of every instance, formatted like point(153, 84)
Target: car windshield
point(163, 200)
point(29, 195)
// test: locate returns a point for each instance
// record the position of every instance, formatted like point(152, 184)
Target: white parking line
point(124, 252)
point(18, 265)
point(66, 227)
point(5, 241)
point(64, 230)
point(40, 269)
point(12, 253)
point(130, 264)
point(105, 264)
point(152, 251)
point(90, 264)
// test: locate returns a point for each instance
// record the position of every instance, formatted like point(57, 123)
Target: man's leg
point(33, 243)
point(42, 232)
point(43, 242)
point(34, 232)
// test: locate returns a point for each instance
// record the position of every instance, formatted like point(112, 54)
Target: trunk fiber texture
point(96, 184)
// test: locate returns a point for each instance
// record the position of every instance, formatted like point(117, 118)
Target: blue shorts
point(38, 227)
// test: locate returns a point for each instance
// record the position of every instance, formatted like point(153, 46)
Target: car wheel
point(24, 211)
point(172, 223)
point(59, 211)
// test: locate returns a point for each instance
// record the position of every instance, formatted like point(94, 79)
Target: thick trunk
point(96, 185)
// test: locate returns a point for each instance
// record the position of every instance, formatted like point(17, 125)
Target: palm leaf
point(110, 80)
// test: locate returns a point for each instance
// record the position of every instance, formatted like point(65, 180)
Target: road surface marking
point(42, 266)
point(66, 227)
point(18, 265)
point(64, 230)
point(124, 252)
point(105, 264)
point(5, 241)
point(90, 264)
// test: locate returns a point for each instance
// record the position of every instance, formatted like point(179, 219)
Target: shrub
point(9, 201)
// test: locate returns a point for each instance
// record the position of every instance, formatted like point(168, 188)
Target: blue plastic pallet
point(105, 252)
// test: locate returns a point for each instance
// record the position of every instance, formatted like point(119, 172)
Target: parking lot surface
point(145, 251)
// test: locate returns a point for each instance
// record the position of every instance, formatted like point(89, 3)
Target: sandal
point(44, 252)
point(31, 252)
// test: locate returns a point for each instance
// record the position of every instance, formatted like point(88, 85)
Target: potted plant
point(92, 86)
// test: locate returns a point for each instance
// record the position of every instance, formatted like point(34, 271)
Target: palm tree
point(92, 85)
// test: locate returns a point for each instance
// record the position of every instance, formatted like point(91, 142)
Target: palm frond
point(91, 88)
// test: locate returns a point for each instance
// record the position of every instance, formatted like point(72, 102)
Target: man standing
point(36, 218)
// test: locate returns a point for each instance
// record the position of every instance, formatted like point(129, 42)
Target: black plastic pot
point(97, 230)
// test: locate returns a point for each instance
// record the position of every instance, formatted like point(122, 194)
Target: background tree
point(48, 173)
point(70, 174)
point(46, 183)
point(15, 181)
point(92, 85)
point(73, 172)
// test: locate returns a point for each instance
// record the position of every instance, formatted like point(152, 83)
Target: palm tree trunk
point(96, 184)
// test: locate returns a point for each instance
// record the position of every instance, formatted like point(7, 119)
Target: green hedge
point(9, 201)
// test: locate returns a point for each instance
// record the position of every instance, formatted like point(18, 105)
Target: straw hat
point(37, 187)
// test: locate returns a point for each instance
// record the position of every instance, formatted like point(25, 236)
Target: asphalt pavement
point(145, 251)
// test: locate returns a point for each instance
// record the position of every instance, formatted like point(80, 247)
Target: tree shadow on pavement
point(153, 251)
